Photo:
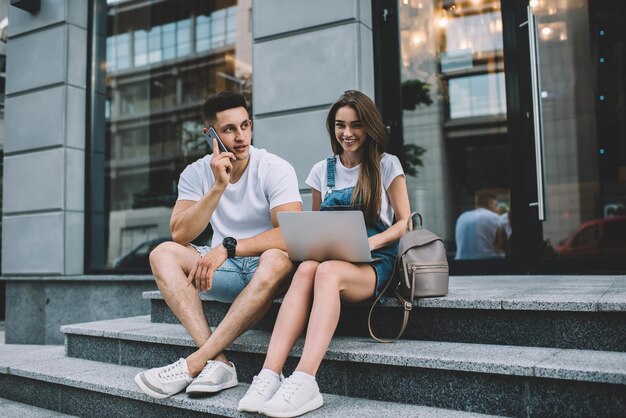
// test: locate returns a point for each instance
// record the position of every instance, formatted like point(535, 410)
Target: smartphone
point(209, 135)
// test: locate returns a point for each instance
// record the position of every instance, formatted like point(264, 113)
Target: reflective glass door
point(580, 99)
point(513, 128)
point(454, 116)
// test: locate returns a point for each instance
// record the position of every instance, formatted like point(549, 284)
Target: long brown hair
point(368, 187)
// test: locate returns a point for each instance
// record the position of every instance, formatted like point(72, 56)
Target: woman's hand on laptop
point(371, 243)
point(201, 275)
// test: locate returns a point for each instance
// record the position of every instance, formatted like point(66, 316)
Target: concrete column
point(44, 163)
point(303, 61)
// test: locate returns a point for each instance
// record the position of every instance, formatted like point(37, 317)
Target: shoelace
point(172, 372)
point(289, 387)
point(208, 370)
point(260, 384)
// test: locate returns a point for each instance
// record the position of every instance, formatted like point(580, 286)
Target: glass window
point(154, 45)
point(183, 38)
point(141, 47)
point(122, 49)
point(169, 41)
point(203, 33)
point(588, 236)
point(161, 63)
point(615, 232)
point(478, 95)
point(218, 29)
point(454, 120)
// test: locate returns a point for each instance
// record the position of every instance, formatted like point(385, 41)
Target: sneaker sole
point(147, 389)
point(200, 389)
point(313, 404)
point(248, 409)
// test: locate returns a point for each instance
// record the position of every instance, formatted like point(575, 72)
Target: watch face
point(229, 242)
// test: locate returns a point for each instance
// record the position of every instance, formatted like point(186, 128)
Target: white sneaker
point(215, 376)
point(260, 391)
point(295, 397)
point(162, 382)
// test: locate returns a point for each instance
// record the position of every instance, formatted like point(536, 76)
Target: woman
point(359, 177)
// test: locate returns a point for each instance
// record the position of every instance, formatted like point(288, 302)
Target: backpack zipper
point(431, 268)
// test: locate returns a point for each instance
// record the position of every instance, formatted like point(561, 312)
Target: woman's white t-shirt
point(243, 210)
point(390, 168)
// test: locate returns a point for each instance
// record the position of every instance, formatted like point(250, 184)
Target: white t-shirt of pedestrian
point(345, 177)
point(475, 234)
point(243, 210)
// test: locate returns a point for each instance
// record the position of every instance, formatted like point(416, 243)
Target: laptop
point(327, 235)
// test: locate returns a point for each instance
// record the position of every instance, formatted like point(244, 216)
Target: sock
point(304, 376)
point(269, 373)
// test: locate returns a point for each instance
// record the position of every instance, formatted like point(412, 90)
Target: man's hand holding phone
point(211, 136)
point(221, 160)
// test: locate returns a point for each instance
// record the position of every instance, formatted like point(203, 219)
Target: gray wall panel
point(51, 12)
point(44, 182)
point(74, 179)
point(299, 138)
point(365, 12)
point(47, 108)
point(296, 15)
point(306, 70)
point(37, 59)
point(366, 61)
point(37, 181)
point(78, 13)
point(33, 244)
point(77, 62)
point(74, 242)
point(76, 113)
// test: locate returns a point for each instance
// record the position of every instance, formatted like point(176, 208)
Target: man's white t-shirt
point(345, 177)
point(243, 210)
point(475, 234)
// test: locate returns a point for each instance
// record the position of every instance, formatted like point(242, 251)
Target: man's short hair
point(219, 102)
point(483, 199)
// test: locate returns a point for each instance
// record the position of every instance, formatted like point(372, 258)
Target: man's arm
point(202, 272)
point(271, 238)
point(190, 218)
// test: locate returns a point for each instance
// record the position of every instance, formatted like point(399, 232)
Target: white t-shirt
point(475, 234)
point(243, 210)
point(390, 168)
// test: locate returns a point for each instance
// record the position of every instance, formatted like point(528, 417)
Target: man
point(477, 230)
point(239, 192)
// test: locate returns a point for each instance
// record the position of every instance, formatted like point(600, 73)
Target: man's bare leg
point(251, 304)
point(171, 262)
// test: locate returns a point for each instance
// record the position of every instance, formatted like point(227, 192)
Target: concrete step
point(492, 379)
point(17, 409)
point(578, 312)
point(43, 376)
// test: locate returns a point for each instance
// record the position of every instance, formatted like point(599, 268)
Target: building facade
point(520, 102)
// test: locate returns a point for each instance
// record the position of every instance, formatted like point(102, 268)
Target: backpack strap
point(406, 304)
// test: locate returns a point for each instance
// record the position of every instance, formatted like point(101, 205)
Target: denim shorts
point(383, 267)
point(231, 277)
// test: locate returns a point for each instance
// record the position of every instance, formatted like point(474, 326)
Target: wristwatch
point(230, 244)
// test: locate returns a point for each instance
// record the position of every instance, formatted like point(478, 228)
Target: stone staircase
point(509, 346)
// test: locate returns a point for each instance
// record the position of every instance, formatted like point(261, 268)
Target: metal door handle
point(535, 77)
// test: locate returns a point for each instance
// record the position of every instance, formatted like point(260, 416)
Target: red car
point(605, 236)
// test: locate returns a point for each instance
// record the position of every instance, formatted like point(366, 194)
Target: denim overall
point(342, 200)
